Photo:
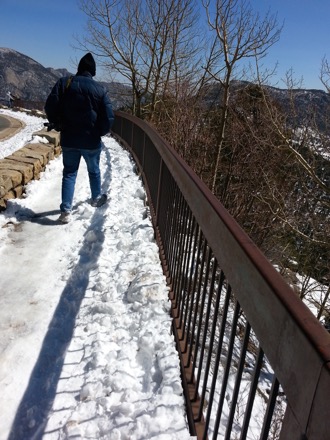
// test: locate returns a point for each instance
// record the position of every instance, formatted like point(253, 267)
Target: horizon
point(233, 80)
point(48, 36)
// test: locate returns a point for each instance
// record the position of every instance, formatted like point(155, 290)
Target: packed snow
point(86, 349)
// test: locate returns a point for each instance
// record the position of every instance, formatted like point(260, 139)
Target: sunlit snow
point(86, 349)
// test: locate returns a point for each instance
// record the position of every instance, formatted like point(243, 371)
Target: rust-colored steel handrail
point(230, 307)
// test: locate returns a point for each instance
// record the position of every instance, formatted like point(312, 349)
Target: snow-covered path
point(86, 349)
point(31, 124)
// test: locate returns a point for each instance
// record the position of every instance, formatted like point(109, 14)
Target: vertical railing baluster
point(217, 360)
point(172, 229)
point(238, 380)
point(158, 201)
point(200, 314)
point(174, 247)
point(227, 369)
point(211, 342)
point(178, 250)
point(253, 390)
point(190, 316)
point(194, 344)
point(182, 257)
point(167, 217)
point(191, 277)
point(270, 409)
point(206, 328)
point(187, 261)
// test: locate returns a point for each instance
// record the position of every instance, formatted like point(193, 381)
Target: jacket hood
point(87, 64)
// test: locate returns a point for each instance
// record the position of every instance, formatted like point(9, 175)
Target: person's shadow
point(42, 218)
point(32, 414)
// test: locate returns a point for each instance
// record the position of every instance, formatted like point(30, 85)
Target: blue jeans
point(71, 161)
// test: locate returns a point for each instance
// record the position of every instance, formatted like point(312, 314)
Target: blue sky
point(44, 30)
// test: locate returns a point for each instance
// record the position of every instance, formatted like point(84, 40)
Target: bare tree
point(297, 192)
point(325, 74)
point(149, 43)
point(274, 179)
point(239, 33)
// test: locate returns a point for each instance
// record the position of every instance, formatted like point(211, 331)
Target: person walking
point(80, 109)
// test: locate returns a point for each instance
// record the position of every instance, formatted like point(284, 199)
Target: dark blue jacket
point(81, 109)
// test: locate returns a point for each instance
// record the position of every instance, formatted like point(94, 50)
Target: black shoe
point(99, 201)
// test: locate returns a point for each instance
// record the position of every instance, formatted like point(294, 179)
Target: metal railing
point(255, 362)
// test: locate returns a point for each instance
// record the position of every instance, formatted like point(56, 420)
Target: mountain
point(24, 78)
point(30, 82)
point(308, 104)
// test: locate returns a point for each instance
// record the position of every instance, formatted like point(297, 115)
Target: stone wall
point(25, 165)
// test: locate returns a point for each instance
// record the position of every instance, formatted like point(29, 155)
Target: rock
point(25, 169)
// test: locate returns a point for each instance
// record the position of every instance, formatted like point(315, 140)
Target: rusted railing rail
point(255, 362)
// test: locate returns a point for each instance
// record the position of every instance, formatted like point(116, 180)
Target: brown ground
point(15, 127)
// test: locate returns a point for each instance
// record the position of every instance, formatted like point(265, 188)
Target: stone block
point(18, 191)
point(25, 169)
point(26, 164)
point(52, 136)
point(5, 184)
point(47, 150)
point(28, 152)
point(35, 162)
point(9, 179)
point(50, 148)
point(57, 150)
point(40, 151)
point(10, 195)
